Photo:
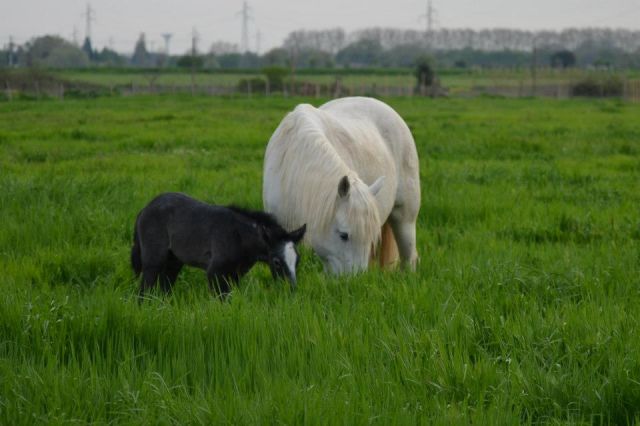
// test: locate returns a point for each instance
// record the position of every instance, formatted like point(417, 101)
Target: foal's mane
point(261, 218)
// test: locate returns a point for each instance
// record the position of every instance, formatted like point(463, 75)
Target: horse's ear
point(298, 234)
point(343, 187)
point(376, 186)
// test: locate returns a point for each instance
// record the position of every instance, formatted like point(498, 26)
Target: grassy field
point(524, 308)
point(457, 82)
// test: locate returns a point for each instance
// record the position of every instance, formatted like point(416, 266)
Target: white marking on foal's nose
point(290, 257)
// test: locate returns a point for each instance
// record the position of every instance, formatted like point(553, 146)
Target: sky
point(118, 23)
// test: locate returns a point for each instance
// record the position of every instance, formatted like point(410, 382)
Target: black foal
point(175, 230)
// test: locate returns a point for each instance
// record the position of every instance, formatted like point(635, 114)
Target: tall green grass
point(524, 308)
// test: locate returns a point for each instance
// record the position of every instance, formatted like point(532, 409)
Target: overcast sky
point(118, 23)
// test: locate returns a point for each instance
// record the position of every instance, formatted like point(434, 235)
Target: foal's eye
point(277, 262)
point(344, 236)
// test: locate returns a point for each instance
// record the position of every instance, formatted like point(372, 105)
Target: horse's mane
point(311, 170)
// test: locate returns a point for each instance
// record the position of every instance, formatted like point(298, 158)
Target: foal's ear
point(376, 186)
point(343, 187)
point(266, 235)
point(298, 234)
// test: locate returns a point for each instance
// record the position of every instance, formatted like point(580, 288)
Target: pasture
point(459, 82)
point(524, 308)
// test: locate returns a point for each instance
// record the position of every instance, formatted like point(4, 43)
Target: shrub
point(257, 84)
point(275, 77)
point(424, 72)
point(594, 87)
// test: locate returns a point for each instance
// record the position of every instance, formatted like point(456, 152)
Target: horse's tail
point(136, 257)
point(389, 254)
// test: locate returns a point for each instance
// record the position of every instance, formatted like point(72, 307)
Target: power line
point(194, 41)
point(429, 16)
point(245, 13)
point(11, 52)
point(90, 17)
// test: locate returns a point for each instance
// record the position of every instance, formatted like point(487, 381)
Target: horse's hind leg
point(404, 230)
point(170, 273)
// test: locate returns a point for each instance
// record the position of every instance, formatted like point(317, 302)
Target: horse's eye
point(344, 236)
point(277, 262)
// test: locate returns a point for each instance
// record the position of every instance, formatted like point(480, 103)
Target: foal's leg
point(219, 285)
point(150, 275)
point(154, 259)
point(170, 273)
point(404, 230)
point(220, 278)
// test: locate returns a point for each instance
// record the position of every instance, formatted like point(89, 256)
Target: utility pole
point(244, 43)
point(11, 51)
point(167, 39)
point(429, 17)
point(534, 66)
point(194, 41)
point(90, 17)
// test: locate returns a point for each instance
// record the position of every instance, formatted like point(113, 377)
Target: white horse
point(346, 169)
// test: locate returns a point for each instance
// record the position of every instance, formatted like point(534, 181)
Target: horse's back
point(395, 134)
point(391, 127)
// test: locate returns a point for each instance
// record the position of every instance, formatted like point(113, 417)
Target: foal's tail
point(136, 258)
point(387, 254)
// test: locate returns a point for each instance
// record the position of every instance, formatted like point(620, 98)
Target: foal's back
point(189, 228)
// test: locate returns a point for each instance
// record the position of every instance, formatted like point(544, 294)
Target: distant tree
point(52, 51)
point(563, 59)
point(275, 77)
point(277, 56)
point(190, 61)
point(87, 49)
point(361, 53)
point(460, 63)
point(110, 57)
point(210, 62)
point(403, 55)
point(229, 60)
point(424, 72)
point(141, 57)
point(222, 48)
point(313, 58)
point(249, 60)
point(330, 40)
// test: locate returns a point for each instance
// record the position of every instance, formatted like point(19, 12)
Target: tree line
point(372, 47)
